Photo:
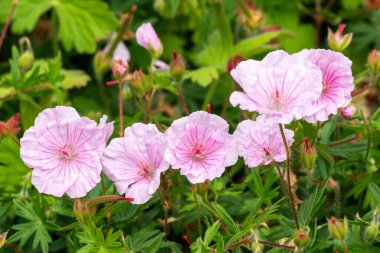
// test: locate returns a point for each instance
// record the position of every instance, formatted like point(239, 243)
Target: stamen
point(67, 153)
point(198, 151)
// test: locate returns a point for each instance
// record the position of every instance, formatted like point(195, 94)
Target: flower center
point(198, 151)
point(268, 153)
point(325, 85)
point(67, 153)
point(146, 170)
point(278, 102)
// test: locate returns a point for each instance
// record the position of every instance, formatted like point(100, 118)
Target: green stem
point(54, 32)
point(108, 212)
point(194, 190)
point(210, 94)
point(345, 247)
point(288, 175)
point(150, 91)
point(161, 195)
point(181, 98)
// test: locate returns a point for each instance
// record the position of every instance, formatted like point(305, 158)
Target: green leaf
point(74, 79)
point(203, 76)
point(257, 44)
point(224, 217)
point(211, 233)
point(35, 227)
point(12, 168)
point(323, 150)
point(7, 92)
point(311, 205)
point(374, 192)
point(80, 22)
point(29, 110)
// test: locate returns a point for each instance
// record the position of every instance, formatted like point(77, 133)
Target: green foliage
point(80, 22)
point(35, 228)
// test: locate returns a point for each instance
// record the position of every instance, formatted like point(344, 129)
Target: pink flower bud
point(348, 112)
point(374, 62)
point(119, 68)
point(337, 41)
point(147, 37)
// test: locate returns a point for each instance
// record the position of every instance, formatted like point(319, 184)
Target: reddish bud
point(209, 108)
point(337, 229)
point(374, 62)
point(337, 41)
point(187, 239)
point(12, 126)
point(248, 15)
point(301, 237)
point(308, 155)
point(177, 67)
point(232, 63)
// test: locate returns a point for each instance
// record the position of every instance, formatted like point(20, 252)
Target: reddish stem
point(7, 24)
point(356, 137)
point(121, 108)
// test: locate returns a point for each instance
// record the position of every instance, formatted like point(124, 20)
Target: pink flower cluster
point(311, 84)
point(68, 152)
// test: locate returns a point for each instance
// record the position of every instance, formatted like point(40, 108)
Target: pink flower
point(337, 82)
point(200, 146)
point(135, 161)
point(260, 142)
point(147, 37)
point(64, 151)
point(282, 87)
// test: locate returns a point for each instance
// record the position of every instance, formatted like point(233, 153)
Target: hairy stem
point(194, 190)
point(121, 121)
point(181, 98)
point(288, 175)
point(108, 212)
point(161, 195)
point(248, 239)
point(8, 22)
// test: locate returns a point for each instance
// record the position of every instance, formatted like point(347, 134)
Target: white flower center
point(278, 102)
point(146, 170)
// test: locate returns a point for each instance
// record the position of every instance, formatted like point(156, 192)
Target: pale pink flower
point(337, 82)
point(136, 161)
point(147, 37)
point(260, 142)
point(200, 146)
point(281, 86)
point(64, 151)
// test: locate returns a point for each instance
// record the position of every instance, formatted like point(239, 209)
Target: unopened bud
point(101, 62)
point(138, 81)
point(177, 67)
point(350, 111)
point(233, 62)
point(372, 231)
point(301, 237)
point(12, 126)
point(374, 62)
point(308, 155)
point(337, 229)
point(250, 16)
point(337, 41)
point(26, 60)
point(3, 238)
point(81, 210)
point(119, 68)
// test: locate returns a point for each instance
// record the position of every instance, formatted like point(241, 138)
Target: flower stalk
point(288, 176)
